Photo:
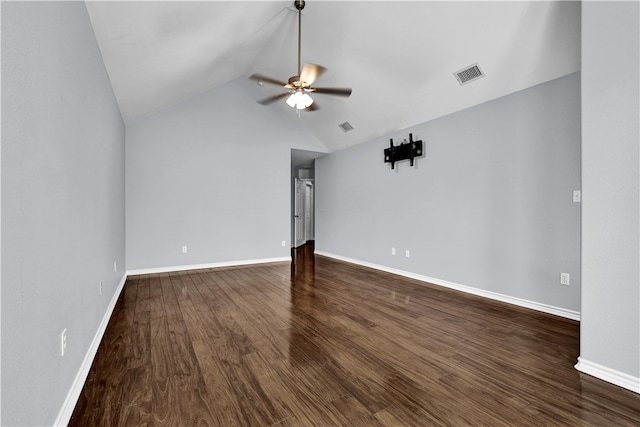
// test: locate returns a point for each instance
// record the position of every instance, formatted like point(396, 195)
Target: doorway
point(303, 217)
point(303, 196)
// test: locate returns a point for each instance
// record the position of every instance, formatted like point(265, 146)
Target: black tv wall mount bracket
point(406, 150)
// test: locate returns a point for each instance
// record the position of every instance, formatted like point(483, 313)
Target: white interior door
point(308, 211)
point(299, 213)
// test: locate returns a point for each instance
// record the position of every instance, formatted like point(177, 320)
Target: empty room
point(320, 213)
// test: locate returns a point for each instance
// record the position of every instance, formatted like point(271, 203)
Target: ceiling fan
point(299, 86)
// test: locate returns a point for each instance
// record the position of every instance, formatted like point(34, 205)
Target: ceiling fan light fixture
point(298, 85)
point(299, 100)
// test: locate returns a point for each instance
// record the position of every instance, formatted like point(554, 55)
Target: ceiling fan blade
point(273, 98)
point(310, 72)
point(265, 79)
point(339, 91)
point(313, 107)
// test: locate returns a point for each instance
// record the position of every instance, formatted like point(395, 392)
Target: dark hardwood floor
point(319, 342)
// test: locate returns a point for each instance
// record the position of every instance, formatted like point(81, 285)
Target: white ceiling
point(399, 57)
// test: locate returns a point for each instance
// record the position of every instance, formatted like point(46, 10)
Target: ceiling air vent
point(346, 127)
point(469, 74)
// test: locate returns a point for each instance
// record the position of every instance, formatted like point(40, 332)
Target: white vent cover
point(469, 74)
point(346, 127)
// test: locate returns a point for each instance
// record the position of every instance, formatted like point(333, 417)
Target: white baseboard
point(64, 416)
point(612, 376)
point(172, 269)
point(545, 308)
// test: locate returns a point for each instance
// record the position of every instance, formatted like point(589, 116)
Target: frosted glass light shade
point(299, 100)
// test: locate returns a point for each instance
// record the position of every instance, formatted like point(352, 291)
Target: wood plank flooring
point(318, 342)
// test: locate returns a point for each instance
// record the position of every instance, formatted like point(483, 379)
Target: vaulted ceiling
point(399, 57)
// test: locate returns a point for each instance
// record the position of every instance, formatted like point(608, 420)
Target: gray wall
point(213, 174)
point(489, 206)
point(610, 327)
point(62, 202)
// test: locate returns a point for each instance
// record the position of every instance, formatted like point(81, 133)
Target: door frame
point(299, 213)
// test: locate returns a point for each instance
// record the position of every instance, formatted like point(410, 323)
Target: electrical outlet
point(115, 267)
point(407, 253)
point(565, 279)
point(284, 243)
point(101, 287)
point(393, 251)
point(63, 342)
point(184, 249)
point(577, 196)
